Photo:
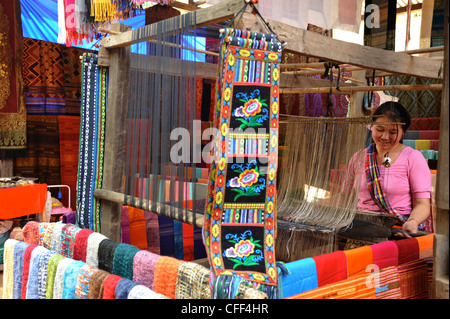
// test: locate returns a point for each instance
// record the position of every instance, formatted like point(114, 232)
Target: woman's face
point(386, 136)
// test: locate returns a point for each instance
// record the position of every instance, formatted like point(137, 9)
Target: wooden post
point(115, 136)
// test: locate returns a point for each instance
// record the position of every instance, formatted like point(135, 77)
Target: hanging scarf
point(376, 190)
point(42, 273)
point(70, 279)
point(8, 271)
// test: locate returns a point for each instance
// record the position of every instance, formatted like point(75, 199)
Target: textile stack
point(62, 261)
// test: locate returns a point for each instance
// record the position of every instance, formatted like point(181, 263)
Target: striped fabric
point(388, 284)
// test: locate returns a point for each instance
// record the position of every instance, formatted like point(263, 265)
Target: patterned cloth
point(84, 281)
point(97, 282)
point(70, 279)
point(192, 282)
point(8, 270)
point(240, 213)
point(33, 277)
point(93, 243)
point(68, 235)
point(166, 271)
point(144, 268)
point(26, 269)
point(79, 249)
point(58, 286)
point(43, 272)
point(123, 260)
point(51, 273)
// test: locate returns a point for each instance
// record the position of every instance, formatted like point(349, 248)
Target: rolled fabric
point(19, 252)
point(31, 233)
point(123, 260)
point(106, 250)
point(123, 287)
point(144, 268)
point(109, 286)
point(42, 273)
point(97, 282)
point(143, 292)
point(70, 279)
point(166, 271)
point(192, 282)
point(84, 281)
point(81, 238)
point(8, 270)
point(26, 269)
point(68, 234)
point(385, 254)
point(51, 273)
point(58, 285)
point(93, 243)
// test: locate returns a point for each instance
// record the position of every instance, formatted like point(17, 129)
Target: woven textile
point(19, 251)
point(240, 215)
point(8, 270)
point(144, 268)
point(70, 279)
point(32, 285)
point(58, 286)
point(43, 273)
point(68, 235)
point(166, 271)
point(91, 146)
point(109, 286)
point(338, 272)
point(138, 231)
point(413, 280)
point(26, 269)
point(96, 286)
point(385, 254)
point(358, 259)
point(30, 233)
point(143, 292)
point(84, 281)
point(301, 277)
point(408, 250)
point(51, 272)
point(106, 250)
point(123, 287)
point(192, 282)
point(123, 260)
point(56, 238)
point(388, 284)
point(93, 243)
point(79, 249)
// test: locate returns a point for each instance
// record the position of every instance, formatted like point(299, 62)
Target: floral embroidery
point(244, 252)
point(252, 113)
point(248, 182)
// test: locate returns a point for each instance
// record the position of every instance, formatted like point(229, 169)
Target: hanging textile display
point(12, 107)
point(240, 217)
point(92, 127)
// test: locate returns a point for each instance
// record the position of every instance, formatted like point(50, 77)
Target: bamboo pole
point(352, 89)
point(183, 215)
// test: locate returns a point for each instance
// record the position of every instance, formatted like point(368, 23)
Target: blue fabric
point(302, 277)
point(19, 252)
point(123, 288)
point(70, 279)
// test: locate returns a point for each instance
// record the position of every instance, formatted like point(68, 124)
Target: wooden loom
point(114, 50)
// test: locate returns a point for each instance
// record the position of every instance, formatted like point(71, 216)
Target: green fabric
point(51, 272)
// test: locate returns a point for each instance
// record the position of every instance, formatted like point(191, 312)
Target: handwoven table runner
point(240, 216)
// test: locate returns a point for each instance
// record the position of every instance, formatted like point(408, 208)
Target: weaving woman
point(397, 178)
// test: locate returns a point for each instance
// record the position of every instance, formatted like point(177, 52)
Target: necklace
point(386, 160)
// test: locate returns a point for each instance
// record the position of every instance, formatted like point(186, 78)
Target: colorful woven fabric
point(388, 284)
point(56, 238)
point(93, 243)
point(81, 239)
point(58, 286)
point(425, 245)
point(106, 250)
point(144, 268)
point(70, 279)
point(123, 260)
point(19, 252)
point(152, 224)
point(240, 215)
point(68, 235)
point(8, 270)
point(327, 275)
point(31, 233)
point(125, 225)
point(109, 286)
point(374, 185)
point(358, 259)
point(166, 271)
point(51, 272)
point(413, 280)
point(138, 230)
point(96, 286)
point(192, 282)
point(26, 269)
point(301, 277)
point(92, 126)
point(33, 277)
point(123, 287)
point(43, 272)
point(408, 250)
point(385, 254)
point(356, 287)
point(84, 281)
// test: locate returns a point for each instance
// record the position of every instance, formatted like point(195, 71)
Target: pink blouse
point(407, 178)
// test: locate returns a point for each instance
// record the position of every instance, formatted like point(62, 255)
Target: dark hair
point(395, 112)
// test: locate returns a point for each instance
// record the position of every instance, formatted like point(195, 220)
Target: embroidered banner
point(240, 218)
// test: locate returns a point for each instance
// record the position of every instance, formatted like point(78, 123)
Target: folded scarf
point(408, 250)
point(93, 243)
point(358, 259)
point(123, 287)
point(97, 281)
point(425, 246)
point(385, 254)
point(166, 271)
point(47, 235)
point(109, 286)
point(19, 252)
point(143, 292)
point(56, 238)
point(42, 272)
point(51, 272)
point(33, 278)
point(192, 282)
point(123, 260)
point(144, 268)
point(301, 277)
point(81, 238)
point(68, 235)
point(70, 279)
point(106, 250)
point(328, 275)
point(26, 269)
point(84, 281)
point(58, 285)
point(8, 270)
point(374, 186)
point(30, 233)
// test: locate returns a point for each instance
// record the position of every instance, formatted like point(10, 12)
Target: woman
point(397, 178)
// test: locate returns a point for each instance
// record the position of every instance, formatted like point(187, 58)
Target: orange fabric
point(356, 287)
point(358, 259)
point(188, 237)
point(166, 271)
point(22, 201)
point(425, 242)
point(138, 230)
